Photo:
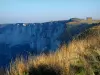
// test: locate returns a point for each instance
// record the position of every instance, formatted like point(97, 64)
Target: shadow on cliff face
point(73, 30)
point(2, 71)
point(44, 70)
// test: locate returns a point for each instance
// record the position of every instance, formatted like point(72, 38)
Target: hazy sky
point(12, 11)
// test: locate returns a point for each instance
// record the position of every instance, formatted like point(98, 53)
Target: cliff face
point(16, 39)
point(38, 36)
point(22, 39)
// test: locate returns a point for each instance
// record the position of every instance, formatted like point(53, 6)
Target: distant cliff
point(35, 38)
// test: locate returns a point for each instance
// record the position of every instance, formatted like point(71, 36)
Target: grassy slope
point(80, 57)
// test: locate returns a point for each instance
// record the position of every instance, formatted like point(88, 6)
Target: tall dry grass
point(80, 57)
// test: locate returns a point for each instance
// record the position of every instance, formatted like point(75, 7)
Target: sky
point(31, 11)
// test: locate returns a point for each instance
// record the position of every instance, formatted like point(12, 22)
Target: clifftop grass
point(79, 57)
